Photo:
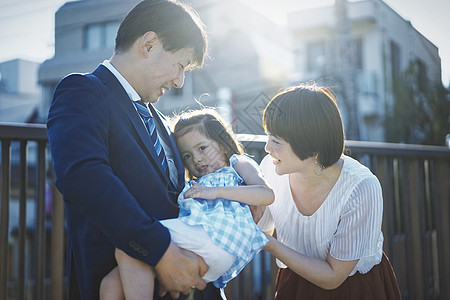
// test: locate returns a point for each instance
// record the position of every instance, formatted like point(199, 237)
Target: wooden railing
point(415, 181)
point(32, 253)
point(416, 227)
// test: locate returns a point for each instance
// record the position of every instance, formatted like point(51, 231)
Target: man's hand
point(179, 270)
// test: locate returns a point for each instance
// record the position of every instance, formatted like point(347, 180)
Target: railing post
point(4, 218)
point(401, 252)
point(57, 245)
point(22, 221)
point(384, 175)
point(443, 225)
point(416, 209)
point(40, 226)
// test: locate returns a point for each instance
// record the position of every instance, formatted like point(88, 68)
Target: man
point(119, 176)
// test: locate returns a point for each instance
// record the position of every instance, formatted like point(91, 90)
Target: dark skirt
point(379, 283)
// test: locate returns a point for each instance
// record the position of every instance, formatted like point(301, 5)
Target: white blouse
point(347, 224)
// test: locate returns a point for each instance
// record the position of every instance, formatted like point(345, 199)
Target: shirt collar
point(125, 84)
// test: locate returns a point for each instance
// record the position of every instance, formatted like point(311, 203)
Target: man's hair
point(308, 118)
point(176, 24)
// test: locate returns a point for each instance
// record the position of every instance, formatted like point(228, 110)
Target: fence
point(415, 181)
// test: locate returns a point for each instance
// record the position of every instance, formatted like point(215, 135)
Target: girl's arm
point(327, 274)
point(255, 192)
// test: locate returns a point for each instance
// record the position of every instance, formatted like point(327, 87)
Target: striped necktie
point(150, 124)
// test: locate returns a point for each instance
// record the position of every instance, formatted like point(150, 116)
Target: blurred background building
point(20, 94)
point(385, 73)
point(366, 44)
point(359, 48)
point(249, 54)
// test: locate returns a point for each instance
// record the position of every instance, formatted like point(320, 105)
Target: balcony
point(416, 224)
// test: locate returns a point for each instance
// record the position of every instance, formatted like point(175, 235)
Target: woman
point(328, 207)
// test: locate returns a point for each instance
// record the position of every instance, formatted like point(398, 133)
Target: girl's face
point(200, 154)
point(283, 157)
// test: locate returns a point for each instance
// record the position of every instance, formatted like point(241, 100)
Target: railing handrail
point(23, 131)
point(367, 147)
point(36, 132)
point(397, 148)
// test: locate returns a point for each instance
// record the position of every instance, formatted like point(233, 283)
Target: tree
point(420, 113)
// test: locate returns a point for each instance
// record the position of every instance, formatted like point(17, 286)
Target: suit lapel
point(121, 97)
point(168, 136)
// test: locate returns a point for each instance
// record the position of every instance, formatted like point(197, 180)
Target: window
point(315, 56)
point(395, 60)
point(422, 71)
point(93, 37)
point(102, 35)
point(110, 33)
point(359, 54)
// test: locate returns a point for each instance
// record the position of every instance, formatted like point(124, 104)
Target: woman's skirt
point(379, 283)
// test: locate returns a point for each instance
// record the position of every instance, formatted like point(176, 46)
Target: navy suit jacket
point(114, 191)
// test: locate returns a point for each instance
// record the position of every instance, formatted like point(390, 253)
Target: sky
point(27, 26)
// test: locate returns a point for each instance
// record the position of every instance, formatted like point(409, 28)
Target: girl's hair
point(308, 118)
point(209, 123)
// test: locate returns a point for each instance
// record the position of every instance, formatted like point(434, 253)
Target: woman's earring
point(318, 169)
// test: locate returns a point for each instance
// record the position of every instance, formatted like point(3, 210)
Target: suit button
point(138, 248)
point(132, 244)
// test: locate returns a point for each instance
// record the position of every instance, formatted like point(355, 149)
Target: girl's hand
point(200, 191)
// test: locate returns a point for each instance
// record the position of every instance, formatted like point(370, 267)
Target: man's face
point(163, 70)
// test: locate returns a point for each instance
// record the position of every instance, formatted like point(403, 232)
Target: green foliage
point(420, 112)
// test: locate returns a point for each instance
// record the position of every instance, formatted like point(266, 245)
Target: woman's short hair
point(308, 118)
point(177, 25)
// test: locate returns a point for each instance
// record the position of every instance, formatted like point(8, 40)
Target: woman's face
point(200, 154)
point(283, 157)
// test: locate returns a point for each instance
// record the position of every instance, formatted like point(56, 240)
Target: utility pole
point(346, 68)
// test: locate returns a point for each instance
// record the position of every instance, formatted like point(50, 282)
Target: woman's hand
point(200, 191)
point(327, 274)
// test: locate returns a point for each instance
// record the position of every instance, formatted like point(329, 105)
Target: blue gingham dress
point(229, 223)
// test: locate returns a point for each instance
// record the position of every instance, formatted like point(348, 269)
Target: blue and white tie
point(150, 124)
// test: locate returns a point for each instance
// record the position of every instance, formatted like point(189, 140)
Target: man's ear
point(147, 42)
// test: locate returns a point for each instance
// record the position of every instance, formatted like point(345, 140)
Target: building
point(249, 55)
point(20, 94)
point(381, 45)
point(84, 37)
point(251, 58)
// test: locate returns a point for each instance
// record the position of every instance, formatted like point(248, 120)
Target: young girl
point(215, 220)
